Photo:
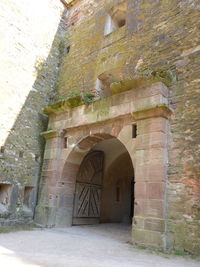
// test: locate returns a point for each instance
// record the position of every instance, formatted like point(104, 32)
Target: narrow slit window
point(134, 131)
point(65, 142)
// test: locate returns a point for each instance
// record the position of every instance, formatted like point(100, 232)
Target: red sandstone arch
point(72, 165)
point(81, 149)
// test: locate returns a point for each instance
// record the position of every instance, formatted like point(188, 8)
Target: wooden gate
point(88, 190)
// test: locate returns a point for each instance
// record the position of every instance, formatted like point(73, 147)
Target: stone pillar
point(149, 223)
point(48, 197)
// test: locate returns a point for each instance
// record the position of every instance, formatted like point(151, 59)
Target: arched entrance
point(84, 129)
point(104, 191)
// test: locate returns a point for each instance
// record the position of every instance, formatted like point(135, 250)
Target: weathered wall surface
point(31, 33)
point(116, 193)
point(159, 41)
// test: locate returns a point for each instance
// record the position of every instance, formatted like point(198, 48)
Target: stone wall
point(160, 41)
point(75, 131)
point(30, 50)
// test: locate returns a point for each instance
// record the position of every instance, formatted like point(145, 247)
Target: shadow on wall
point(21, 154)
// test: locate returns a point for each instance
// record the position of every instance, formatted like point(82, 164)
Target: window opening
point(134, 131)
point(65, 142)
point(99, 88)
point(116, 18)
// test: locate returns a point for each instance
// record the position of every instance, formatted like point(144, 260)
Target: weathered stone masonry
point(149, 156)
point(147, 53)
point(29, 67)
point(160, 42)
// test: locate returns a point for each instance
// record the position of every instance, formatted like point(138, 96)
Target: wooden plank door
point(87, 199)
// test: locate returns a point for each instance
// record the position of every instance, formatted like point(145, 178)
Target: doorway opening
point(104, 190)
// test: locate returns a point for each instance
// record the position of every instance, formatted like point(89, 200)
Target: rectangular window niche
point(116, 18)
point(5, 193)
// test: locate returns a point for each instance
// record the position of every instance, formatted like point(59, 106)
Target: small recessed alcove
point(116, 18)
point(106, 79)
point(5, 193)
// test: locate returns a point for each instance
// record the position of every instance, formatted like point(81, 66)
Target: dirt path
point(85, 246)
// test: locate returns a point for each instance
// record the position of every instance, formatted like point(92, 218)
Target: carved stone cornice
point(157, 111)
point(53, 134)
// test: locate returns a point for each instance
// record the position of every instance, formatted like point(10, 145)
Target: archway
point(78, 131)
point(102, 173)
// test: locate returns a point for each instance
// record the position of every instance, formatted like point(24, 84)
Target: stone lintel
point(157, 111)
point(52, 134)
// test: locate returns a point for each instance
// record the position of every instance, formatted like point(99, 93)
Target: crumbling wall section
point(31, 34)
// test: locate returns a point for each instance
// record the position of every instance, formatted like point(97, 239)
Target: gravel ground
point(81, 246)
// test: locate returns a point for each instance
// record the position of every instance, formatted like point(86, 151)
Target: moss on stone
point(164, 75)
point(125, 85)
point(62, 105)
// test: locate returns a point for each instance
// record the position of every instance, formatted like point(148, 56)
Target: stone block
point(151, 155)
point(151, 140)
point(148, 238)
point(154, 224)
point(157, 124)
point(50, 177)
point(155, 208)
point(50, 153)
point(66, 200)
point(151, 172)
point(138, 222)
point(125, 134)
point(63, 217)
point(49, 164)
point(154, 89)
point(140, 207)
point(69, 172)
point(155, 191)
point(149, 102)
point(45, 215)
point(140, 190)
point(149, 208)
